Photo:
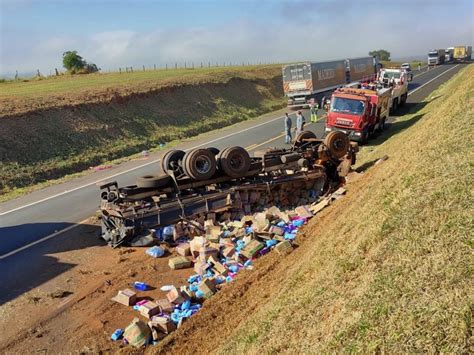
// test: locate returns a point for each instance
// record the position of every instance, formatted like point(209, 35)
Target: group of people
point(300, 122)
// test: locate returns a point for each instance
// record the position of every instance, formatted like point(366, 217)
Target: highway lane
point(42, 214)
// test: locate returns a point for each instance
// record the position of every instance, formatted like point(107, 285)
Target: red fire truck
point(359, 112)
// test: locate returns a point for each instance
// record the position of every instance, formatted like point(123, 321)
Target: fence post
point(143, 68)
point(120, 70)
point(166, 66)
point(16, 75)
point(154, 66)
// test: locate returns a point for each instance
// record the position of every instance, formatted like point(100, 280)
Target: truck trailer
point(303, 81)
point(462, 54)
point(436, 57)
point(359, 112)
point(448, 55)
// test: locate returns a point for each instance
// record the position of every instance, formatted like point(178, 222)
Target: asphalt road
point(42, 215)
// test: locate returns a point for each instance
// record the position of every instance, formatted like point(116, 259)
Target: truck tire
point(404, 99)
point(199, 164)
point(234, 162)
point(337, 143)
point(172, 161)
point(214, 151)
point(153, 181)
point(395, 105)
point(304, 135)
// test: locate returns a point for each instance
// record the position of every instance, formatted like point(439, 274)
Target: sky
point(119, 33)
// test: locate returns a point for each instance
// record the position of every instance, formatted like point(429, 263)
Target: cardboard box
point(149, 309)
point(163, 324)
point(213, 233)
point(228, 252)
point(251, 249)
point(184, 249)
point(284, 248)
point(165, 305)
point(179, 262)
point(137, 333)
point(186, 292)
point(277, 230)
point(303, 212)
point(196, 245)
point(206, 252)
point(208, 287)
point(126, 297)
point(154, 333)
point(174, 296)
point(200, 267)
point(217, 267)
point(320, 205)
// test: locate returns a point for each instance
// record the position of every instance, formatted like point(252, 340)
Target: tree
point(75, 64)
point(382, 54)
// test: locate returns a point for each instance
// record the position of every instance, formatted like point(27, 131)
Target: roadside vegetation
point(386, 269)
point(150, 110)
point(23, 96)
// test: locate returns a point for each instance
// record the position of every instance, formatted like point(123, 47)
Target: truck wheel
point(153, 181)
point(299, 140)
point(199, 164)
point(337, 143)
point(395, 105)
point(214, 151)
point(404, 99)
point(234, 162)
point(172, 160)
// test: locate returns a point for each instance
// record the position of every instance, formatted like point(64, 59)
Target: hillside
point(54, 127)
point(388, 268)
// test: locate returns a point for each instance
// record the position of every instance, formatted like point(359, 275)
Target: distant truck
point(436, 57)
point(462, 53)
point(359, 112)
point(303, 81)
point(448, 55)
point(397, 79)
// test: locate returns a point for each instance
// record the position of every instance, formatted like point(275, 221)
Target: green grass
point(390, 267)
point(25, 95)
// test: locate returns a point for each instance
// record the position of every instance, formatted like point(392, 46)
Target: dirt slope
point(385, 269)
point(55, 141)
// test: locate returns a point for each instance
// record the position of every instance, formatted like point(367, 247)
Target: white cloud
point(408, 30)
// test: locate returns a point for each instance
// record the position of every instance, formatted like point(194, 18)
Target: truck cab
point(397, 79)
point(358, 112)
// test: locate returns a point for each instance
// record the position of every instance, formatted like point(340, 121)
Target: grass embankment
point(55, 141)
point(387, 268)
point(57, 91)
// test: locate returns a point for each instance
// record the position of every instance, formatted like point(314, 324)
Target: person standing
point(419, 66)
point(314, 112)
point(323, 102)
point(299, 123)
point(287, 129)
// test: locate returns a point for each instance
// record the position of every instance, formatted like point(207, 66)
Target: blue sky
point(35, 33)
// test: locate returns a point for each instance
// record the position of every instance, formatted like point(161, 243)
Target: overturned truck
point(202, 181)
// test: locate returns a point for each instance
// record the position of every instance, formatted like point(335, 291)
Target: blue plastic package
point(270, 243)
point(117, 334)
point(289, 236)
point(155, 252)
point(199, 294)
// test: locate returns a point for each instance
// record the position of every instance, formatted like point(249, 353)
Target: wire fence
point(190, 65)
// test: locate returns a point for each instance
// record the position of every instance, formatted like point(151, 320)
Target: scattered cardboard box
point(184, 249)
point(284, 248)
point(179, 262)
point(251, 248)
point(175, 296)
point(163, 324)
point(165, 305)
point(149, 309)
point(126, 297)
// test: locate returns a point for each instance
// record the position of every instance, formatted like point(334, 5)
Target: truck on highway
point(462, 53)
point(436, 57)
point(397, 79)
point(359, 112)
point(303, 81)
point(448, 54)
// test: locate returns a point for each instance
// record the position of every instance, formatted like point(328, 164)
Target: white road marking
point(132, 169)
point(429, 81)
point(55, 234)
point(13, 252)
